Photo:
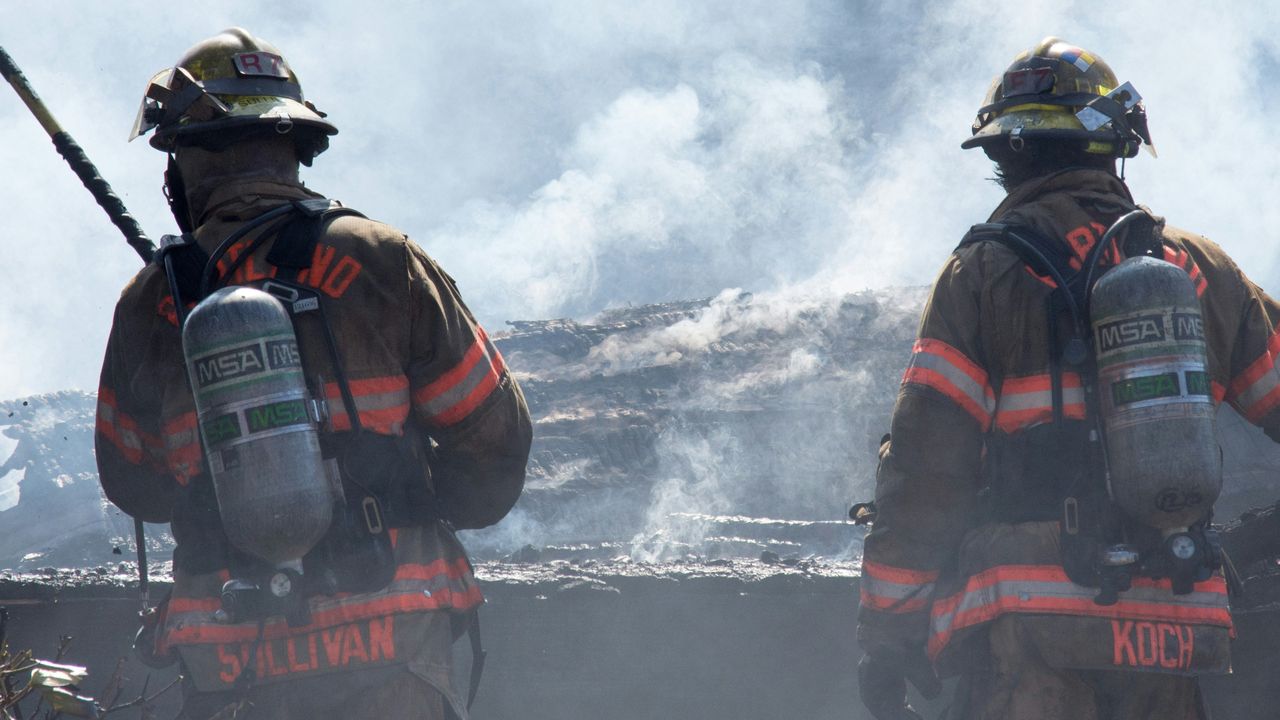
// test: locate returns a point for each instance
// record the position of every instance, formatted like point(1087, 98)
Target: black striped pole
point(71, 151)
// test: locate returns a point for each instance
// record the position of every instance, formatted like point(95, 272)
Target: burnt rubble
point(734, 427)
point(654, 422)
point(683, 525)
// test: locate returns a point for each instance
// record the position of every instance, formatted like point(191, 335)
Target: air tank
point(1165, 467)
point(262, 447)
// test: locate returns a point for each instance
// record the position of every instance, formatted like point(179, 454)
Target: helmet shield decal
point(260, 64)
point(1028, 81)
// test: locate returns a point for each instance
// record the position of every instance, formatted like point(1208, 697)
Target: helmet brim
point(1051, 125)
point(284, 113)
point(1058, 122)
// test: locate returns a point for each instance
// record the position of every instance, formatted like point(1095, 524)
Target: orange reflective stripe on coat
point(1046, 589)
point(1025, 402)
point(183, 455)
point(122, 430)
point(382, 403)
point(895, 590)
point(439, 585)
point(453, 396)
point(1256, 390)
point(937, 365)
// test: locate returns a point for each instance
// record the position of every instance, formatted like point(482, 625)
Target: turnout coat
point(938, 567)
point(426, 382)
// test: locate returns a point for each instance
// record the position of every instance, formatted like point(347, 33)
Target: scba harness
point(1130, 400)
point(248, 420)
point(371, 483)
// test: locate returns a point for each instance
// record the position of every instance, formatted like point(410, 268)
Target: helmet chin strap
point(175, 191)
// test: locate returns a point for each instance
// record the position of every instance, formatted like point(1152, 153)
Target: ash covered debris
point(728, 427)
point(52, 510)
point(690, 429)
point(654, 423)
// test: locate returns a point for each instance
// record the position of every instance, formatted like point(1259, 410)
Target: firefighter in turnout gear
point(1000, 550)
point(288, 358)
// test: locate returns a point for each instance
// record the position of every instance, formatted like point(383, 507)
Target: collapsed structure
point(719, 428)
point(684, 513)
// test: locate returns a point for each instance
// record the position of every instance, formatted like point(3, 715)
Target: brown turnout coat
point(420, 369)
point(934, 572)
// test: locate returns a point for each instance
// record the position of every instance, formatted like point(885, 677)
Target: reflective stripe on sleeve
point(1028, 401)
point(895, 590)
point(937, 365)
point(122, 431)
point(1046, 589)
point(453, 396)
point(1256, 391)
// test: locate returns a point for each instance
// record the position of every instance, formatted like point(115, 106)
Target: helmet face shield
point(149, 109)
point(177, 97)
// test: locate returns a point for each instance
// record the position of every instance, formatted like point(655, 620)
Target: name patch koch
point(1156, 645)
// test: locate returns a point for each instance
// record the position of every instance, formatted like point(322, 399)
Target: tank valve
point(1186, 558)
point(1116, 567)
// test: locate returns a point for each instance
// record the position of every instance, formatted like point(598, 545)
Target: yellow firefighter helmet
point(1059, 92)
point(225, 87)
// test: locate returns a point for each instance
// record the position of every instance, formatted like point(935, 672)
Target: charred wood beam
point(1252, 537)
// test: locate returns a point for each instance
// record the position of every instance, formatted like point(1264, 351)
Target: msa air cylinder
point(1156, 404)
point(262, 447)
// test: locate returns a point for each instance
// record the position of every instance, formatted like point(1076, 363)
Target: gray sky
point(559, 158)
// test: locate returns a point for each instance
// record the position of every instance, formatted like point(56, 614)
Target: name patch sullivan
point(335, 648)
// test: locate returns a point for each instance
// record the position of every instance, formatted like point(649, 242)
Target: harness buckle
point(1071, 516)
point(372, 515)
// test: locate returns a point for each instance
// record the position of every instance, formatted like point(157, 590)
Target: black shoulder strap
point(1046, 257)
point(183, 261)
point(1042, 254)
point(294, 247)
point(291, 252)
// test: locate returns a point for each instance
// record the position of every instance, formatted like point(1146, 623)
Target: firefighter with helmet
point(301, 392)
point(1007, 547)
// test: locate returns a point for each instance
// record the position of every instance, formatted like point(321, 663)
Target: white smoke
point(675, 193)
point(701, 479)
point(563, 157)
